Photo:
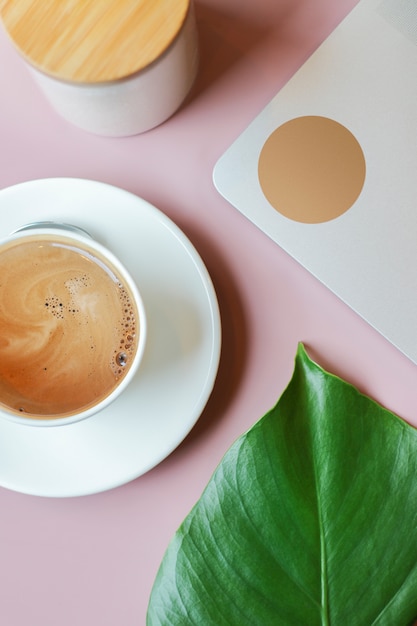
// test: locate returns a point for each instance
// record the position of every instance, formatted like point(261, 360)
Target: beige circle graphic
point(311, 169)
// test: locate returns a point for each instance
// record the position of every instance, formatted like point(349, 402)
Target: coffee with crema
point(68, 327)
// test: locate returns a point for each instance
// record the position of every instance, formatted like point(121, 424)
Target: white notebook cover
point(364, 77)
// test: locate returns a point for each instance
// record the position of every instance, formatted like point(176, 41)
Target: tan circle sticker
point(311, 169)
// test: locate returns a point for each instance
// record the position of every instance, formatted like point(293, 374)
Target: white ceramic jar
point(114, 68)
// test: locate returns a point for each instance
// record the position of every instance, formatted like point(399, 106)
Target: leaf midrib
point(323, 558)
point(325, 617)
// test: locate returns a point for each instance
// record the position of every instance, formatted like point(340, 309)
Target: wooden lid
point(92, 41)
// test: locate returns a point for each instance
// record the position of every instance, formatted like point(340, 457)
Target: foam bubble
point(121, 359)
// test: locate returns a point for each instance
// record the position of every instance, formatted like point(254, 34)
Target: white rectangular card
point(363, 80)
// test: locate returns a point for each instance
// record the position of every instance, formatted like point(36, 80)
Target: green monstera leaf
point(310, 518)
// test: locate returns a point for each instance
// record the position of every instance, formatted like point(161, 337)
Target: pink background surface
point(92, 560)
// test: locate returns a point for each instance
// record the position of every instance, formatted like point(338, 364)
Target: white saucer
point(180, 364)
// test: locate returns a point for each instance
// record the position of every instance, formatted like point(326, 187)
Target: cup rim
point(78, 234)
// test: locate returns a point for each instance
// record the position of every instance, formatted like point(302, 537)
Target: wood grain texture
point(92, 40)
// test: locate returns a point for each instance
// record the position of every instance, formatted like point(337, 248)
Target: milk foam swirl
point(68, 328)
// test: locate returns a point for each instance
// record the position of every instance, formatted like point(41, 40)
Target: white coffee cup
point(72, 325)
